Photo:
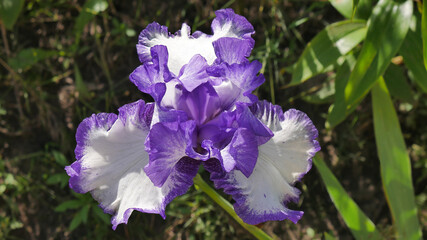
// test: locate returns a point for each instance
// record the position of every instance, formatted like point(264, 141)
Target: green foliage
point(325, 49)
point(360, 225)
point(395, 165)
point(9, 11)
point(424, 32)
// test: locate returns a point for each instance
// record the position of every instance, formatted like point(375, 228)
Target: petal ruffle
point(182, 46)
point(110, 164)
point(167, 143)
point(282, 160)
point(152, 77)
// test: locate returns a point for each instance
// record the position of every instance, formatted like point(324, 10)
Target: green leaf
point(359, 224)
point(413, 57)
point(88, 12)
point(30, 56)
point(80, 217)
point(388, 27)
point(345, 7)
point(424, 32)
point(60, 158)
point(338, 111)
point(80, 85)
point(395, 164)
point(9, 12)
point(397, 84)
point(60, 178)
point(101, 215)
point(324, 50)
point(71, 204)
point(322, 96)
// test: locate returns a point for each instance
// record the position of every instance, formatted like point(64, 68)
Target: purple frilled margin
point(204, 113)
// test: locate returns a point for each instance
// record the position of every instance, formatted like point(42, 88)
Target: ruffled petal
point(282, 160)
point(167, 143)
point(182, 46)
point(202, 104)
point(194, 73)
point(238, 82)
point(110, 164)
point(151, 78)
point(232, 50)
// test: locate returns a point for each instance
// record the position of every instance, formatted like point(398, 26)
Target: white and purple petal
point(152, 77)
point(168, 143)
point(182, 46)
point(110, 164)
point(284, 159)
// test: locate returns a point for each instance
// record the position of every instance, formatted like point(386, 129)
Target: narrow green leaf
point(395, 164)
point(60, 158)
point(397, 83)
point(345, 7)
point(30, 56)
point(324, 50)
point(80, 85)
point(80, 217)
point(71, 204)
point(413, 57)
point(9, 12)
point(337, 111)
point(359, 224)
point(322, 96)
point(387, 29)
point(424, 32)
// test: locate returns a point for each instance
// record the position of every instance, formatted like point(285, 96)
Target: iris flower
point(204, 113)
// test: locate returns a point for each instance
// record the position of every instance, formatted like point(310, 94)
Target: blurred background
point(62, 60)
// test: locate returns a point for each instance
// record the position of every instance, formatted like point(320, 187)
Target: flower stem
point(255, 231)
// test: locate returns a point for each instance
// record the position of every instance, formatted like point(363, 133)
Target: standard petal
point(167, 143)
point(202, 104)
point(110, 164)
point(152, 77)
point(232, 50)
point(182, 46)
point(238, 82)
point(284, 159)
point(194, 73)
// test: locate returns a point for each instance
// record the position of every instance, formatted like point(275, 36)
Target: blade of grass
point(398, 84)
point(387, 29)
point(359, 224)
point(395, 164)
point(202, 185)
point(324, 50)
point(424, 32)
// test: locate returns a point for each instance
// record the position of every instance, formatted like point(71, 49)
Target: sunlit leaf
point(345, 7)
point(333, 42)
point(338, 111)
point(388, 27)
point(359, 224)
point(9, 11)
point(324, 95)
point(395, 164)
